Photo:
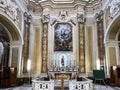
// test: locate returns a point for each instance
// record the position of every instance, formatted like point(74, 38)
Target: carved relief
point(46, 18)
point(44, 47)
point(11, 9)
point(114, 7)
point(34, 7)
point(82, 46)
point(63, 15)
point(3, 3)
point(80, 18)
point(99, 16)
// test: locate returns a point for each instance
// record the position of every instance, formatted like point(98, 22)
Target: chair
point(99, 75)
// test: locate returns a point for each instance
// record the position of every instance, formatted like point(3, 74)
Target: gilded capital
point(80, 18)
point(46, 18)
point(99, 16)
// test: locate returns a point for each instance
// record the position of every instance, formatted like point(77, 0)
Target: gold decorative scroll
point(44, 47)
point(26, 47)
point(101, 42)
point(81, 47)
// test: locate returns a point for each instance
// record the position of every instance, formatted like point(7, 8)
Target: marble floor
point(29, 87)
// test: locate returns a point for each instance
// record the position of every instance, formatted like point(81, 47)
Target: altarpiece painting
point(63, 37)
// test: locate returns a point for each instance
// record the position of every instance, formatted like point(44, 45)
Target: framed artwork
point(63, 37)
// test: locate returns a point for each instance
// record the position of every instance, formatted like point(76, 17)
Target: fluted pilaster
point(45, 42)
point(100, 33)
point(81, 21)
point(27, 21)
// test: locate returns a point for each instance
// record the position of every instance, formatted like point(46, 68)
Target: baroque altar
point(71, 72)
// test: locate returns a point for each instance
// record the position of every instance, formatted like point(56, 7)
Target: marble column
point(81, 21)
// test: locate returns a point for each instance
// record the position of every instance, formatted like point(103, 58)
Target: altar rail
point(84, 84)
point(42, 85)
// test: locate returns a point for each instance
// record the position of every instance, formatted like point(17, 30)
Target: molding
point(3, 15)
point(88, 6)
point(114, 20)
point(62, 1)
point(22, 5)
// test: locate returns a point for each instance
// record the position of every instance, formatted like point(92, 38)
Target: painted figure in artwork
point(62, 61)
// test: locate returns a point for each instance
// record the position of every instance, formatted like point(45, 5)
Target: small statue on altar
point(62, 61)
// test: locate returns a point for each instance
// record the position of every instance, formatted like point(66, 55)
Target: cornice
point(63, 1)
point(89, 6)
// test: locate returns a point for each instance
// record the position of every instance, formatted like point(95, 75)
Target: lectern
point(62, 78)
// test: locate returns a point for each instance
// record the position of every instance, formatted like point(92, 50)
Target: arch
point(11, 27)
point(16, 41)
point(111, 42)
point(113, 29)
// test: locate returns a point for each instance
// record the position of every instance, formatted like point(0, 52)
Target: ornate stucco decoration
point(99, 16)
point(73, 21)
point(11, 9)
point(46, 18)
point(34, 7)
point(89, 6)
point(114, 7)
point(62, 16)
point(27, 18)
point(53, 21)
point(81, 18)
point(3, 4)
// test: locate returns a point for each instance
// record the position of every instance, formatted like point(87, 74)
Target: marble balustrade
point(42, 85)
point(83, 84)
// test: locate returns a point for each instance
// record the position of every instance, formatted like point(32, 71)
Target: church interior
point(72, 43)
